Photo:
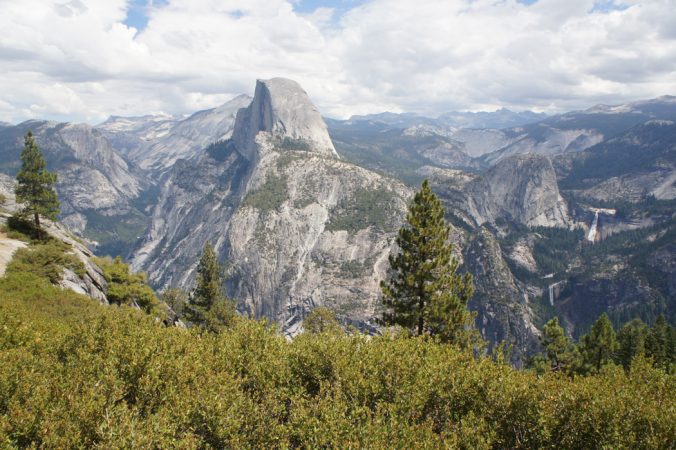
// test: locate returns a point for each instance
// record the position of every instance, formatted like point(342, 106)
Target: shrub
point(125, 287)
point(75, 374)
point(46, 259)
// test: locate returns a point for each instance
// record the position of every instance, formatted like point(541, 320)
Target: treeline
point(602, 346)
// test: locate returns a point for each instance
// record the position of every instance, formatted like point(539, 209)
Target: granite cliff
point(297, 226)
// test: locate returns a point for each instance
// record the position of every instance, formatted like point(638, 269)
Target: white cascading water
point(551, 294)
point(591, 237)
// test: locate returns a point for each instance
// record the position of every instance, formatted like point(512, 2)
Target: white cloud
point(76, 60)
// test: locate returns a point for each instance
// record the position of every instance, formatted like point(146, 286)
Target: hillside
point(74, 373)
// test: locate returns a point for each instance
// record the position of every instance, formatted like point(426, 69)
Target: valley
point(569, 216)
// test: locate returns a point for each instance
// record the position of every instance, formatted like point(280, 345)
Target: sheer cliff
point(297, 226)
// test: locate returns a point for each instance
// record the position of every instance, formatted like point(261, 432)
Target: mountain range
point(569, 215)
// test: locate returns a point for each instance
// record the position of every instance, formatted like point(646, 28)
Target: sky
point(84, 60)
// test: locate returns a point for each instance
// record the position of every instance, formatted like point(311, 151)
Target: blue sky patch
point(137, 12)
point(339, 6)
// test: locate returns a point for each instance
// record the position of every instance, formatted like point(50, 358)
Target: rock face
point(91, 176)
point(298, 226)
point(522, 189)
point(503, 305)
point(155, 143)
point(283, 109)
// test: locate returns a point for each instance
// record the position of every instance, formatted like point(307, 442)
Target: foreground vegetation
point(73, 374)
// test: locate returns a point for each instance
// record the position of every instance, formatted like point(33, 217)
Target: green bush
point(21, 229)
point(125, 287)
point(74, 374)
point(46, 259)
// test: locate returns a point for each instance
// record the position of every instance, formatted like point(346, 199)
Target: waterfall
point(551, 294)
point(551, 291)
point(591, 237)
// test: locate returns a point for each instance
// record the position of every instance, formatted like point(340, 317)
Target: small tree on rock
point(35, 184)
point(424, 293)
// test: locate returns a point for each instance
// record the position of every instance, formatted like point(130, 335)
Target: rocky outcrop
point(297, 226)
point(521, 189)
point(282, 109)
point(91, 283)
point(323, 241)
point(503, 305)
point(91, 176)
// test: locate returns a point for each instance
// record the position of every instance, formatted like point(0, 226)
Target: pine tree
point(35, 184)
point(424, 294)
point(660, 343)
point(560, 353)
point(321, 320)
point(631, 341)
point(207, 302)
point(599, 346)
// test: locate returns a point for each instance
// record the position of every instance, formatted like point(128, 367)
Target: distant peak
point(238, 100)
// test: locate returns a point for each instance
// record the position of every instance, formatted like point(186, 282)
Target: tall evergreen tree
point(560, 352)
point(423, 293)
point(599, 346)
point(660, 343)
point(631, 341)
point(35, 184)
point(208, 305)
